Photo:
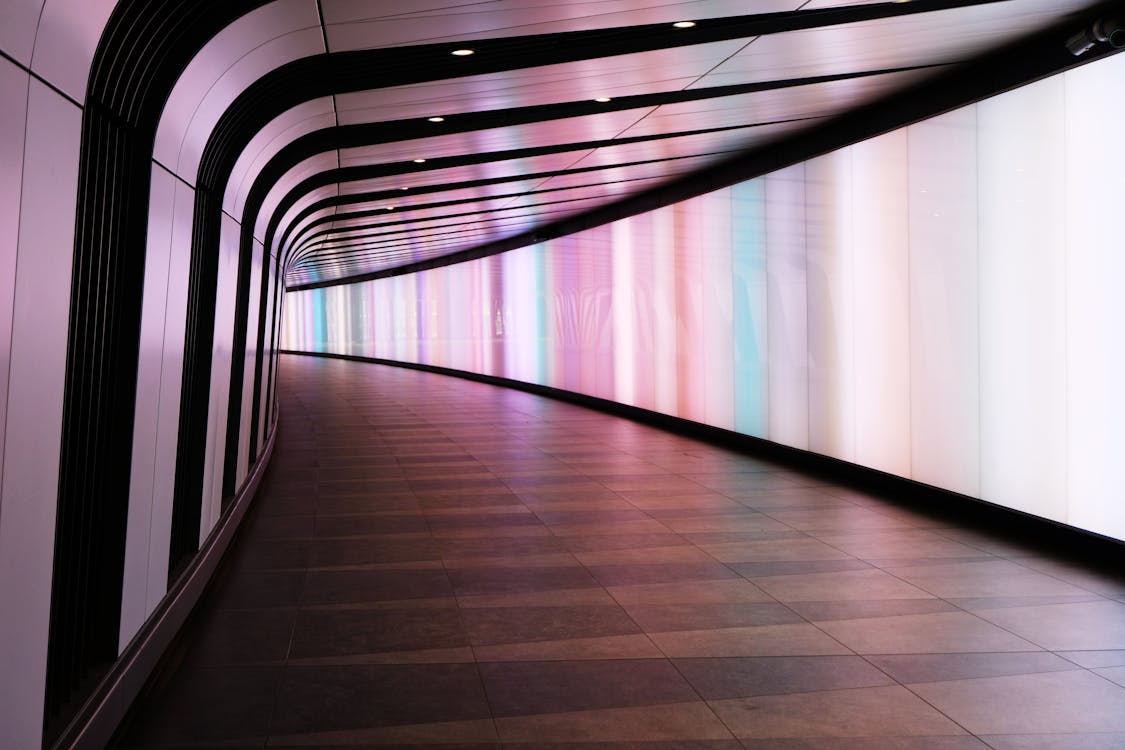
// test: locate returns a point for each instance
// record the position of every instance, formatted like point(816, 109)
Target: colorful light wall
point(942, 303)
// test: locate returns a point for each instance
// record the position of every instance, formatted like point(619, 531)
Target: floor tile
point(627, 575)
point(1096, 625)
point(936, 632)
point(871, 712)
point(701, 592)
point(911, 668)
point(1070, 741)
point(235, 636)
point(983, 578)
point(1056, 702)
point(491, 626)
point(340, 586)
point(860, 609)
point(474, 581)
point(1094, 659)
point(766, 640)
point(743, 677)
point(205, 705)
point(610, 647)
point(336, 632)
point(800, 549)
point(683, 721)
point(702, 616)
point(522, 688)
point(844, 585)
point(355, 697)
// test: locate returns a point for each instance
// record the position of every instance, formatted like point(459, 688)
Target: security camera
point(1108, 30)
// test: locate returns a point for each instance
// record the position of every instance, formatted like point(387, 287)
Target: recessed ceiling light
point(436, 119)
point(603, 99)
point(405, 188)
point(419, 161)
point(464, 52)
point(390, 208)
point(683, 24)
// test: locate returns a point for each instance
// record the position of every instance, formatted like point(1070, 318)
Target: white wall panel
point(267, 354)
point(171, 382)
point(13, 116)
point(67, 39)
point(750, 308)
point(944, 321)
point(691, 358)
point(787, 307)
point(18, 22)
point(33, 429)
point(248, 368)
point(146, 420)
point(1022, 314)
point(234, 58)
point(220, 376)
point(1095, 186)
point(716, 309)
point(831, 304)
point(624, 313)
point(882, 303)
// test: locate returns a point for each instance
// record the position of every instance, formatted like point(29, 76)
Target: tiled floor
point(440, 562)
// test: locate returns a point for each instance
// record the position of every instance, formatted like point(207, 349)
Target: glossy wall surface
point(940, 303)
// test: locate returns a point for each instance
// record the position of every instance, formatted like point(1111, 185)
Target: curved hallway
point(438, 561)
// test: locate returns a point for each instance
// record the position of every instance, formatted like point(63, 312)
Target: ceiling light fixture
point(419, 161)
point(464, 52)
point(603, 99)
point(436, 119)
point(683, 24)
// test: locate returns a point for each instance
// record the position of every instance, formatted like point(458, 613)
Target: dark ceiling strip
point(348, 231)
point(297, 263)
point(462, 201)
point(360, 247)
point(362, 251)
point(474, 199)
point(371, 243)
point(360, 198)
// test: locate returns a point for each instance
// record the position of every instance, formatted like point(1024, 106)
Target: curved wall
point(939, 303)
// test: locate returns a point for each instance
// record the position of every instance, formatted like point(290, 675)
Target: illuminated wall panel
point(831, 304)
point(1095, 304)
point(664, 311)
point(749, 320)
point(787, 358)
point(940, 302)
point(1023, 299)
point(880, 285)
point(715, 303)
point(944, 319)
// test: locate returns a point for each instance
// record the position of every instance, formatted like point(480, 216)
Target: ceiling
point(458, 160)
